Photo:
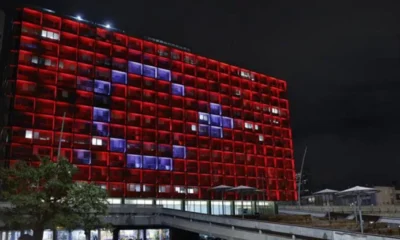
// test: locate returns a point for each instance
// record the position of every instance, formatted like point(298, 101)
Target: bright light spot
point(97, 142)
point(28, 134)
point(79, 18)
point(108, 25)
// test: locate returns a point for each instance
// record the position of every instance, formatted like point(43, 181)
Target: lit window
point(256, 127)
point(275, 122)
point(47, 62)
point(51, 35)
point(180, 189)
point(133, 187)
point(194, 127)
point(178, 89)
point(35, 60)
point(275, 111)
point(28, 134)
point(260, 138)
point(248, 125)
point(164, 189)
point(192, 190)
point(97, 142)
point(203, 118)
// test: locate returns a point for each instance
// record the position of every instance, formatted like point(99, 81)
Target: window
point(150, 162)
point(178, 151)
point(260, 138)
point(149, 71)
point(164, 163)
point(164, 189)
point(248, 125)
point(180, 189)
point(28, 134)
point(82, 156)
point(97, 142)
point(133, 187)
point(192, 190)
point(194, 128)
point(164, 74)
point(118, 77)
point(117, 145)
point(178, 89)
point(204, 130)
point(215, 108)
point(275, 111)
point(216, 132)
point(215, 120)
point(203, 118)
point(227, 122)
point(51, 35)
point(134, 161)
point(101, 114)
point(35, 60)
point(134, 67)
point(102, 87)
point(256, 127)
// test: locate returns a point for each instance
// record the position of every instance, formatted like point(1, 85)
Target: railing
point(388, 209)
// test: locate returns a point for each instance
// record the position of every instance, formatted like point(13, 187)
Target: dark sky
point(340, 59)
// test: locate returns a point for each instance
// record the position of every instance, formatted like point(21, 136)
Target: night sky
point(340, 59)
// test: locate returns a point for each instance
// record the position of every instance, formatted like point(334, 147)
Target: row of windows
point(150, 48)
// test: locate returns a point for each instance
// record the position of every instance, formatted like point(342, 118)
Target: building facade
point(142, 118)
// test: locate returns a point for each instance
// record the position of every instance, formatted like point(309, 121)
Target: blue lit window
point(150, 162)
point(101, 114)
point(178, 89)
point(164, 74)
point(82, 156)
point(204, 130)
point(149, 71)
point(227, 122)
point(216, 132)
point(118, 77)
point(204, 118)
point(117, 145)
point(179, 151)
point(164, 163)
point(134, 67)
point(133, 161)
point(100, 129)
point(102, 87)
point(215, 120)
point(215, 108)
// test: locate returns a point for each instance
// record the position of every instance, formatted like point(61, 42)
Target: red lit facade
point(144, 119)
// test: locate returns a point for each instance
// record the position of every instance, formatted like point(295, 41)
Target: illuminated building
point(144, 118)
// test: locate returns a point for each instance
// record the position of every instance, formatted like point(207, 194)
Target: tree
point(37, 194)
point(45, 196)
point(88, 203)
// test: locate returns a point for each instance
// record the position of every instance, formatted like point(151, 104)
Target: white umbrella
point(222, 189)
point(326, 191)
point(358, 191)
point(242, 190)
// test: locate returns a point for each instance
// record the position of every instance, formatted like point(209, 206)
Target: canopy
point(357, 190)
point(326, 191)
point(221, 188)
point(243, 189)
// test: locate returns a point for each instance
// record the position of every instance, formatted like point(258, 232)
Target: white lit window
point(275, 121)
point(203, 117)
point(237, 92)
point(192, 190)
point(35, 60)
point(47, 62)
point(28, 134)
point(275, 111)
point(164, 189)
point(248, 125)
point(260, 138)
point(194, 127)
point(97, 142)
point(51, 35)
point(180, 189)
point(256, 127)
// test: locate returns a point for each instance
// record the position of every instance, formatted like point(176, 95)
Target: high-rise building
point(143, 118)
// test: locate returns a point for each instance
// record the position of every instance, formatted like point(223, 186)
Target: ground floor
point(213, 207)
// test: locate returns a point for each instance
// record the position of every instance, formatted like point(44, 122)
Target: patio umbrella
point(326, 192)
point(222, 189)
point(358, 192)
point(242, 190)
